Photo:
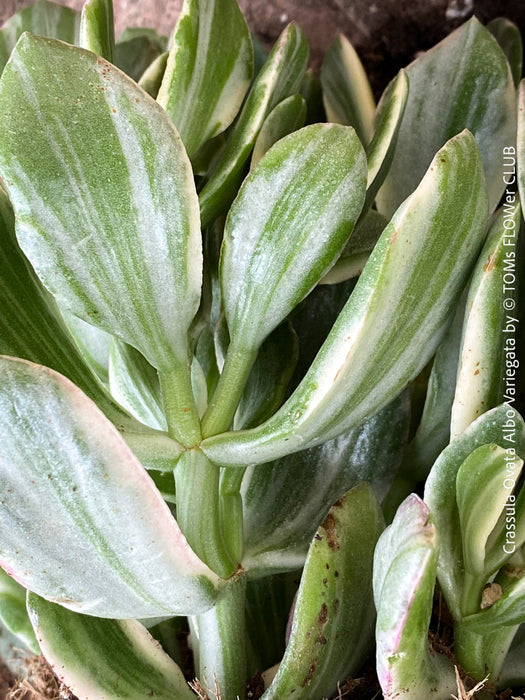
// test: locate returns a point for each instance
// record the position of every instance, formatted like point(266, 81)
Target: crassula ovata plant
point(246, 317)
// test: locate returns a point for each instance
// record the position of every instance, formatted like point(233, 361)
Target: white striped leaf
point(489, 330)
point(347, 94)
point(288, 116)
point(333, 620)
point(279, 78)
point(404, 578)
point(92, 343)
point(42, 17)
point(82, 523)
point(105, 659)
point(392, 323)
point(151, 80)
point(482, 490)
point(440, 492)
point(97, 31)
point(81, 142)
point(287, 227)
point(464, 82)
point(209, 70)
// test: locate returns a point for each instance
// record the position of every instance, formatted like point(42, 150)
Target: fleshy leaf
point(151, 79)
point(333, 620)
point(13, 612)
point(489, 330)
point(501, 426)
point(464, 82)
point(482, 489)
point(82, 523)
point(508, 611)
point(508, 36)
point(404, 578)
point(279, 78)
point(132, 263)
point(136, 50)
point(288, 116)
point(285, 501)
point(42, 17)
point(209, 70)
point(392, 323)
point(97, 30)
point(105, 659)
point(92, 343)
point(347, 94)
point(290, 221)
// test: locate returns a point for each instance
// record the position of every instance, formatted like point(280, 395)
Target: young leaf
point(404, 578)
point(82, 522)
point(132, 263)
point(508, 611)
point(151, 79)
point(42, 17)
point(392, 323)
point(482, 489)
point(332, 628)
point(290, 221)
point(279, 78)
point(464, 82)
point(488, 330)
point(490, 428)
point(105, 659)
point(209, 70)
point(347, 94)
point(97, 30)
point(288, 116)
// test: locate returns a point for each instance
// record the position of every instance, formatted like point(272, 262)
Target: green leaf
point(289, 222)
point(502, 426)
point(134, 383)
point(333, 620)
point(132, 263)
point(285, 501)
point(464, 82)
point(489, 329)
point(106, 659)
point(288, 116)
point(509, 610)
point(482, 490)
point(508, 36)
point(347, 94)
point(97, 31)
point(136, 50)
point(404, 577)
point(392, 323)
point(311, 91)
point(209, 70)
point(82, 523)
point(13, 612)
point(358, 248)
point(43, 18)
point(387, 122)
point(279, 78)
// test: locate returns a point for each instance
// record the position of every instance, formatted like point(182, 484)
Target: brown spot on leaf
point(323, 615)
point(310, 674)
point(489, 265)
point(329, 525)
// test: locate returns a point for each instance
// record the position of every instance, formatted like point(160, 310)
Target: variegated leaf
point(97, 30)
point(508, 36)
point(288, 116)
point(209, 70)
point(82, 523)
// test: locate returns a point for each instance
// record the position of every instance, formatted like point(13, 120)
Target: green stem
point(220, 412)
point(231, 509)
point(179, 405)
point(482, 655)
point(471, 594)
point(199, 511)
point(222, 642)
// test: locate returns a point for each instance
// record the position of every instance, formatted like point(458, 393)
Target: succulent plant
point(247, 316)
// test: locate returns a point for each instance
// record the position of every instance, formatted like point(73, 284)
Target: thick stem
point(179, 405)
point(482, 655)
point(222, 643)
point(199, 511)
point(220, 413)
